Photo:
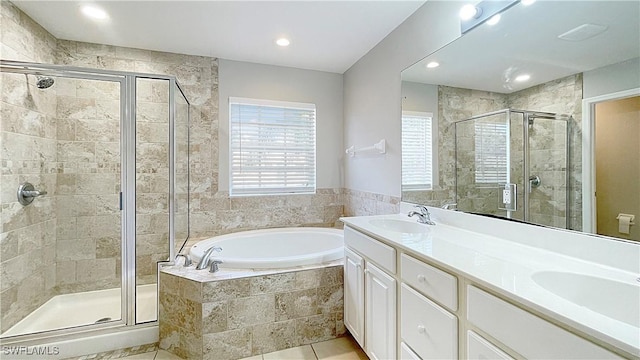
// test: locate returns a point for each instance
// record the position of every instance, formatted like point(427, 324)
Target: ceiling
point(325, 35)
point(526, 41)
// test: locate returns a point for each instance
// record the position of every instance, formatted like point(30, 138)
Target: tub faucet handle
point(214, 266)
point(187, 259)
point(204, 262)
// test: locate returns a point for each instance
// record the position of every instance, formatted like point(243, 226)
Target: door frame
point(589, 213)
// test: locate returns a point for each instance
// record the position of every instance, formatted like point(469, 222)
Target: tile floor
point(344, 348)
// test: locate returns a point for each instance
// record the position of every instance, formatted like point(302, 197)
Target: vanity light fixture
point(494, 20)
point(472, 16)
point(433, 64)
point(469, 12)
point(94, 12)
point(523, 77)
point(283, 42)
point(527, 2)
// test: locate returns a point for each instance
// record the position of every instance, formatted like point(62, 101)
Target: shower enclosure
point(94, 194)
point(514, 164)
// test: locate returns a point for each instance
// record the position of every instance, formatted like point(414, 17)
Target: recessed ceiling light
point(523, 77)
point(527, 2)
point(283, 42)
point(494, 19)
point(94, 12)
point(433, 64)
point(469, 11)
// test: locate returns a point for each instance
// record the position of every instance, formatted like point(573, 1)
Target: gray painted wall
point(257, 81)
point(372, 94)
point(612, 78)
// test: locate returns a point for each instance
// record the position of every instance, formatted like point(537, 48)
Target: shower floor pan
point(70, 310)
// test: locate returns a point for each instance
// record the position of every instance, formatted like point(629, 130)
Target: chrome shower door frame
point(128, 90)
point(528, 118)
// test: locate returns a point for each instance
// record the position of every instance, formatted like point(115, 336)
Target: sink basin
point(400, 226)
point(614, 299)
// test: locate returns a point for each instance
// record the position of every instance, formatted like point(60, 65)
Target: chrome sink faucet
point(204, 262)
point(423, 216)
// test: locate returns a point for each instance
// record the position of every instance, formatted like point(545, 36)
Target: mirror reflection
point(495, 122)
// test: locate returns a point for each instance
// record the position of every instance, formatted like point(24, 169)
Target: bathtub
point(274, 248)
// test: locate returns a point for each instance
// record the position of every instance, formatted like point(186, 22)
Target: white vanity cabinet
point(380, 314)
point(529, 335)
point(370, 294)
point(429, 329)
point(354, 295)
point(399, 304)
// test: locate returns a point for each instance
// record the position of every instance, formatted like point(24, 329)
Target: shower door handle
point(534, 182)
point(26, 193)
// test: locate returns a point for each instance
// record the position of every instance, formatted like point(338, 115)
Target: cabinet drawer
point(430, 330)
point(406, 353)
point(480, 349)
point(527, 334)
point(379, 253)
point(434, 283)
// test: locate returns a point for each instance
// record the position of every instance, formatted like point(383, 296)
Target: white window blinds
point(491, 150)
point(272, 147)
point(417, 151)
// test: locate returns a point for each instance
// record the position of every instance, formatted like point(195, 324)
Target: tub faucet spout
point(204, 262)
point(187, 259)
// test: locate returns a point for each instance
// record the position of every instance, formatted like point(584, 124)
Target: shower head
point(44, 82)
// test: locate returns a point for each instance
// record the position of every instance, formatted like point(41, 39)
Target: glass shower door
point(61, 250)
point(483, 169)
point(547, 170)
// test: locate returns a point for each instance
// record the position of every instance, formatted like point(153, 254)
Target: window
point(491, 152)
point(272, 147)
point(417, 151)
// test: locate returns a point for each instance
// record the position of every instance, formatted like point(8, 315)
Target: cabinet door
point(380, 314)
point(354, 295)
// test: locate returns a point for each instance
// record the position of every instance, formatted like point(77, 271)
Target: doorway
point(617, 166)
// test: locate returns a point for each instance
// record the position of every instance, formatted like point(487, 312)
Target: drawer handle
point(422, 278)
point(422, 329)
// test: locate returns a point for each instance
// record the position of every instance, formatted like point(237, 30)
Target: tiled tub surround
point(234, 314)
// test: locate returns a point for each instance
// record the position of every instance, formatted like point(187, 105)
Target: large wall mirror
point(533, 117)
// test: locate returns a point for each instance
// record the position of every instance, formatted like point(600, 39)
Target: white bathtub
point(274, 248)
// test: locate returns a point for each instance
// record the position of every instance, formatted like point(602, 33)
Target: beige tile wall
point(241, 317)
point(28, 153)
point(561, 96)
point(88, 251)
point(362, 203)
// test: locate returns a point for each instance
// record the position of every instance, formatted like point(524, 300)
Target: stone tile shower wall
point(241, 317)
point(27, 153)
point(562, 96)
point(455, 104)
point(88, 251)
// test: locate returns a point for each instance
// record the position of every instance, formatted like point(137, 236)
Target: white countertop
point(507, 267)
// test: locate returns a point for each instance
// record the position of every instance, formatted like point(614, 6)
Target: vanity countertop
point(590, 296)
